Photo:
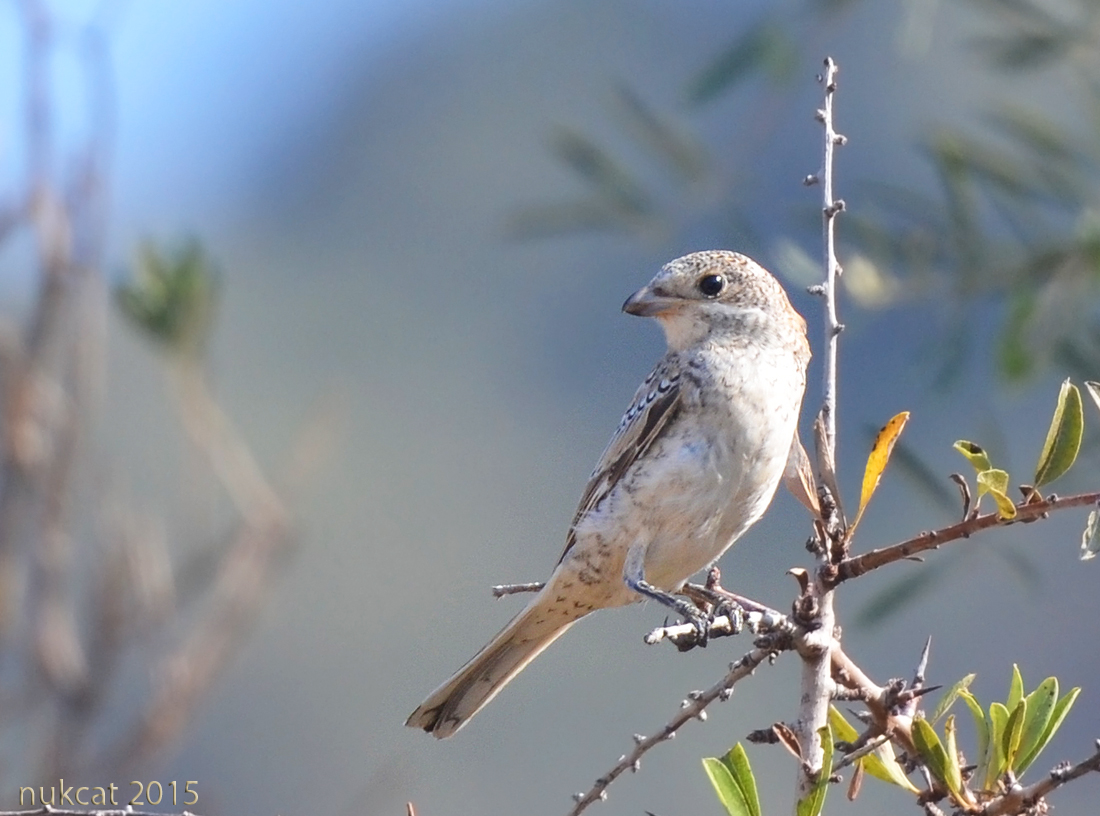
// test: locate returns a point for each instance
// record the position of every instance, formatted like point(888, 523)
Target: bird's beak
point(647, 303)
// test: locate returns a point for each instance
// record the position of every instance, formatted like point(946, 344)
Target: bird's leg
point(634, 575)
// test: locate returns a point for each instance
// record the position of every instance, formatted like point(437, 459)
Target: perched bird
point(694, 463)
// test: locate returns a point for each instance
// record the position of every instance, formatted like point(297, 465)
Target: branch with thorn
point(693, 708)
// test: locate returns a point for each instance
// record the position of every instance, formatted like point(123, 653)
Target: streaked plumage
point(693, 464)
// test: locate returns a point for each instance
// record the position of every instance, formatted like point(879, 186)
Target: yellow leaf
point(876, 462)
point(995, 483)
point(975, 454)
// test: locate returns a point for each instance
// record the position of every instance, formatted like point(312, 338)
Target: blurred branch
point(229, 457)
point(63, 636)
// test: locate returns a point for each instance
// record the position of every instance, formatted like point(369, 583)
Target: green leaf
point(814, 801)
point(995, 483)
point(950, 696)
point(733, 781)
point(1090, 541)
point(974, 454)
point(1014, 732)
point(1061, 709)
point(1040, 708)
point(729, 793)
point(883, 764)
point(843, 730)
point(738, 762)
point(981, 728)
point(998, 719)
point(1015, 688)
point(1063, 438)
point(954, 773)
point(931, 749)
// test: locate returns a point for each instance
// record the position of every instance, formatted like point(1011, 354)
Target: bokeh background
point(427, 214)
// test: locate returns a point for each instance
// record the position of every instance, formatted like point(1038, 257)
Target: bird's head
point(714, 291)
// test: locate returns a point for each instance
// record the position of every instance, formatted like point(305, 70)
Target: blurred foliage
point(1013, 219)
point(172, 296)
point(619, 196)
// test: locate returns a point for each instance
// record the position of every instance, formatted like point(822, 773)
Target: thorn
point(725, 694)
point(819, 115)
point(603, 796)
point(839, 139)
point(811, 180)
point(577, 797)
point(636, 766)
point(926, 690)
point(639, 739)
point(817, 289)
point(922, 664)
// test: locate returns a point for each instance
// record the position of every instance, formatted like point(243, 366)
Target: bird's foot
point(699, 620)
point(733, 611)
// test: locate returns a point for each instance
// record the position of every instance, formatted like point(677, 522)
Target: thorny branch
point(817, 601)
point(694, 708)
point(1025, 800)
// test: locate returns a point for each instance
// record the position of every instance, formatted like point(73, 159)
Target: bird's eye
point(711, 285)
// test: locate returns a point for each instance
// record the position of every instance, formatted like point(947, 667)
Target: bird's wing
point(654, 405)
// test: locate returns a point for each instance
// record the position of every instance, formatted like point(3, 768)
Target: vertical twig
point(830, 209)
point(816, 645)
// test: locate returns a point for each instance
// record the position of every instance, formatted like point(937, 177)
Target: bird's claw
point(699, 620)
point(732, 610)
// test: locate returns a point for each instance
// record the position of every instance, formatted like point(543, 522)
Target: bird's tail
point(450, 706)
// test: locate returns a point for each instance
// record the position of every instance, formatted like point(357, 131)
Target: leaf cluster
point(1063, 442)
point(1009, 737)
point(172, 296)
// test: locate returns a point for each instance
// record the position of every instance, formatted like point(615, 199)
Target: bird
point(694, 462)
